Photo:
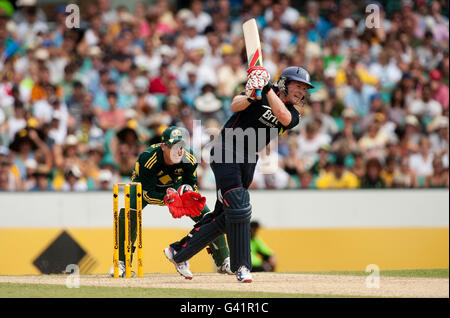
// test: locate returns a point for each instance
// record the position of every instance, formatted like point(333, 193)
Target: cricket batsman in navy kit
point(233, 162)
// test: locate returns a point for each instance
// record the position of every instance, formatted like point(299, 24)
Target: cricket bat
point(252, 46)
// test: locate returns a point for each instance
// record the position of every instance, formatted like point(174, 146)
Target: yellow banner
point(34, 251)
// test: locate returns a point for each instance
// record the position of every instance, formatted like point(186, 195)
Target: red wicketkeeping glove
point(174, 203)
point(193, 203)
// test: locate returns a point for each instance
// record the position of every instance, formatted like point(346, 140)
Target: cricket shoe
point(182, 268)
point(225, 268)
point(121, 270)
point(243, 275)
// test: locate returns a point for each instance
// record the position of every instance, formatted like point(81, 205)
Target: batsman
point(167, 172)
point(253, 125)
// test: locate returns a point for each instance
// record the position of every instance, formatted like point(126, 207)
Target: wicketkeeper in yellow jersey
point(167, 172)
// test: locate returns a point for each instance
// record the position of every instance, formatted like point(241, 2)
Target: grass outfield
point(425, 273)
point(11, 290)
point(16, 290)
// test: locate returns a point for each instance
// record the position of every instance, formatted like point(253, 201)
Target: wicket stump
point(127, 243)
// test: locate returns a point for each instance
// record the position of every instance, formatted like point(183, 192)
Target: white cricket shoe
point(225, 268)
point(243, 275)
point(182, 268)
point(121, 270)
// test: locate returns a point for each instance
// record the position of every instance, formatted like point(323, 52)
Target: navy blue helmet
point(293, 73)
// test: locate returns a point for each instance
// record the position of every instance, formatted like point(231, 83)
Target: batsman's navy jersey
point(250, 130)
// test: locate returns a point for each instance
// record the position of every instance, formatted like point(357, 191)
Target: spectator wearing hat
point(439, 135)
point(104, 182)
point(74, 180)
point(339, 177)
point(42, 177)
point(439, 91)
point(24, 146)
point(372, 179)
point(208, 106)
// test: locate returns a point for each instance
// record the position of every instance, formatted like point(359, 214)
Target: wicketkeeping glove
point(193, 203)
point(174, 203)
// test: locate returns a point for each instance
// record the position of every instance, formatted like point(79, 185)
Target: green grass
point(12, 290)
point(426, 273)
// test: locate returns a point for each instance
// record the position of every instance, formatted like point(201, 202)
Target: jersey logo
point(178, 171)
point(268, 118)
point(165, 179)
point(160, 173)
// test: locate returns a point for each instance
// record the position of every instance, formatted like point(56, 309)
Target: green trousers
point(218, 248)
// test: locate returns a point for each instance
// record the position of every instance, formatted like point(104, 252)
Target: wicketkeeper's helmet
point(293, 73)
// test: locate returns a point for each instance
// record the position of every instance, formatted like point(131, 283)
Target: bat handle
point(258, 94)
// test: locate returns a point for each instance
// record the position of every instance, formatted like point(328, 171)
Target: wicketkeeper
point(234, 160)
point(167, 172)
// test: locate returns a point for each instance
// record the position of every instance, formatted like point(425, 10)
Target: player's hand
point(193, 203)
point(174, 203)
point(257, 77)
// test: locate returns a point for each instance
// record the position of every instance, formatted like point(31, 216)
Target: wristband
point(267, 88)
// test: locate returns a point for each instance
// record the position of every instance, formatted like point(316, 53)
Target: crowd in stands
point(77, 105)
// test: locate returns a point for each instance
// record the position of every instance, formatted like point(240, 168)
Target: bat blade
point(252, 46)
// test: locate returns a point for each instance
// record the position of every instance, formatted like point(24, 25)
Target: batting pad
point(202, 235)
point(238, 212)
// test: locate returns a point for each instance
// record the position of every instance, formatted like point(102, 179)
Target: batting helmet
point(293, 73)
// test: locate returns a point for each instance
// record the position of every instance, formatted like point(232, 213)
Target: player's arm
point(146, 171)
point(239, 103)
point(190, 171)
point(280, 110)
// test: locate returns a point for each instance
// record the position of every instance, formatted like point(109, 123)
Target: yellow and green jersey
point(156, 176)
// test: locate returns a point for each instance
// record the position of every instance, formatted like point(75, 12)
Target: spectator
point(425, 107)
point(42, 176)
point(263, 258)
point(372, 178)
point(358, 95)
point(389, 171)
point(440, 176)
point(405, 177)
point(310, 142)
point(73, 180)
point(338, 178)
point(421, 162)
point(439, 91)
